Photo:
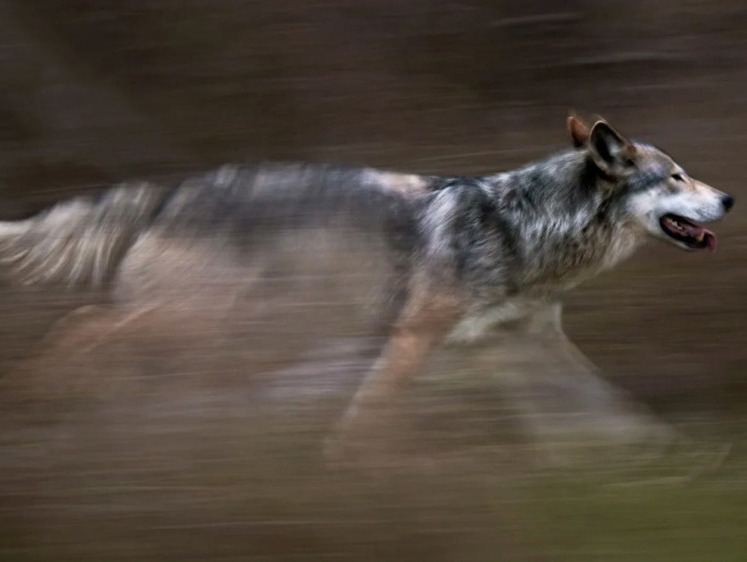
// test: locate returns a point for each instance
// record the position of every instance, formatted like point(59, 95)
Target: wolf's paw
point(355, 443)
point(378, 461)
point(378, 445)
point(584, 439)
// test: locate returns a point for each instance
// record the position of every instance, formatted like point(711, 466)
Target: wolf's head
point(658, 194)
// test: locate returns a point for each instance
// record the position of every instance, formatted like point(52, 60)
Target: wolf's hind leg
point(95, 350)
point(48, 371)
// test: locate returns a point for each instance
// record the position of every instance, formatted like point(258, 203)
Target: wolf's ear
point(579, 131)
point(612, 153)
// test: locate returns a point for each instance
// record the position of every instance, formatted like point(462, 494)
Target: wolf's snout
point(727, 201)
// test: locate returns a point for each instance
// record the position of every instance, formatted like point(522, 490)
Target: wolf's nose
point(727, 201)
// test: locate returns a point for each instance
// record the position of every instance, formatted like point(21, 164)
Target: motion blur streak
point(198, 434)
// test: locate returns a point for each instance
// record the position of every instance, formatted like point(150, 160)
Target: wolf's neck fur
point(569, 224)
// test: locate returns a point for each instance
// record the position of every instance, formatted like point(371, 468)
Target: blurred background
point(92, 93)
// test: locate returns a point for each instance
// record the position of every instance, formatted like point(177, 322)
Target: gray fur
point(504, 241)
point(435, 257)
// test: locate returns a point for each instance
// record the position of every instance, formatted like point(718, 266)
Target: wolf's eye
point(678, 177)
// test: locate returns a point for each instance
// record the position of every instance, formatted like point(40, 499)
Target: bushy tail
point(81, 241)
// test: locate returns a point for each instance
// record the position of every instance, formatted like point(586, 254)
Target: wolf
point(432, 260)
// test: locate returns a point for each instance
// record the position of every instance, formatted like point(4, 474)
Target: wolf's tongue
point(700, 233)
point(710, 240)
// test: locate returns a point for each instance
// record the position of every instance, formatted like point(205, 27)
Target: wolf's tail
point(81, 241)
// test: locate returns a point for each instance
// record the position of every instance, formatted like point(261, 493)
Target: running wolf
point(445, 260)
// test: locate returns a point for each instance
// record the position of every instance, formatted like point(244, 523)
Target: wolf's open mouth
point(693, 236)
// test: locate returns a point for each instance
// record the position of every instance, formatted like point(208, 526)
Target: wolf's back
point(81, 241)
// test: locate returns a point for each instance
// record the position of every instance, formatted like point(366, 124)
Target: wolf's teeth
point(700, 237)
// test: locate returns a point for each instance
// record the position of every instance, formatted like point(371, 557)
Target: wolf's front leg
point(564, 400)
point(368, 425)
